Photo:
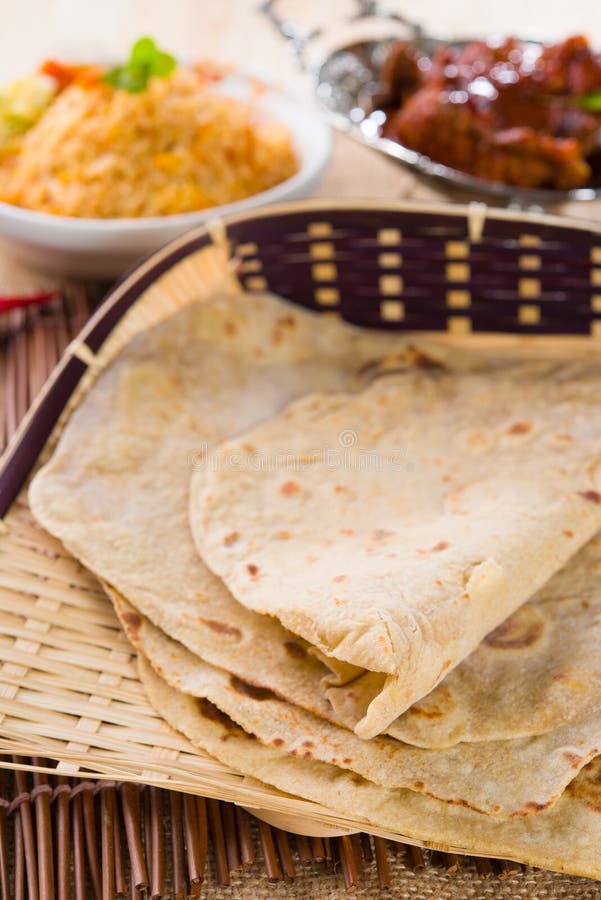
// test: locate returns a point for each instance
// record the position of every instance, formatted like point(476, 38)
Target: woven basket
point(68, 685)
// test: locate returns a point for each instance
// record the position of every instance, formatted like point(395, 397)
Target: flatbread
point(539, 669)
point(116, 489)
point(395, 527)
point(495, 778)
point(153, 415)
point(565, 838)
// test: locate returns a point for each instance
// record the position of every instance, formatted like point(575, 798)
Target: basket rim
point(26, 445)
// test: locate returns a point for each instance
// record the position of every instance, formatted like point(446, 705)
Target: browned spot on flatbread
point(431, 712)
point(424, 361)
point(278, 742)
point(308, 744)
point(231, 538)
point(347, 761)
point(446, 665)
point(568, 532)
point(585, 604)
point(368, 366)
point(286, 322)
point(252, 569)
point(282, 535)
point(519, 428)
point(437, 548)
point(254, 691)
point(248, 448)
point(418, 785)
point(289, 488)
point(210, 711)
point(307, 755)
point(477, 439)
point(592, 496)
point(296, 651)
point(222, 628)
point(132, 621)
point(347, 532)
point(380, 534)
point(337, 579)
point(230, 328)
point(523, 629)
point(530, 807)
point(573, 759)
point(339, 489)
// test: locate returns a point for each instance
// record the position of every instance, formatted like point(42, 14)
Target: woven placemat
point(70, 837)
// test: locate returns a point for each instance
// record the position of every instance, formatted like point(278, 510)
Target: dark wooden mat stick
point(348, 862)
point(4, 839)
point(203, 833)
point(398, 848)
point(118, 848)
point(247, 847)
point(415, 858)
point(107, 842)
point(508, 868)
point(62, 839)
point(130, 805)
point(43, 826)
point(452, 863)
point(157, 843)
point(304, 849)
point(79, 861)
point(484, 867)
point(357, 854)
point(192, 840)
point(366, 848)
point(19, 850)
point(146, 839)
point(327, 848)
point(180, 886)
point(284, 854)
point(91, 839)
point(272, 864)
point(29, 842)
point(317, 849)
point(218, 841)
point(382, 863)
point(231, 837)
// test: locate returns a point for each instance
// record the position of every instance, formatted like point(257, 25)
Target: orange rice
point(176, 147)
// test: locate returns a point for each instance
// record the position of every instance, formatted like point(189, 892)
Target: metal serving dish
point(346, 79)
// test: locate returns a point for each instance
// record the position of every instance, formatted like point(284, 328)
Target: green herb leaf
point(591, 102)
point(146, 61)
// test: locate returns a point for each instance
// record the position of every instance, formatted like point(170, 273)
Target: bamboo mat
point(70, 837)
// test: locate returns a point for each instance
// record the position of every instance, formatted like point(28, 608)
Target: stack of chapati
point(360, 570)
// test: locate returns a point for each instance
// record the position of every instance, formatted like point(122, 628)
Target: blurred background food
point(522, 113)
point(145, 138)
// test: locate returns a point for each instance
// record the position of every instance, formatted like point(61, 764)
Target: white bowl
point(105, 248)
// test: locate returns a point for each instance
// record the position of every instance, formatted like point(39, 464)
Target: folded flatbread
point(565, 838)
point(395, 527)
point(495, 778)
point(116, 490)
point(116, 493)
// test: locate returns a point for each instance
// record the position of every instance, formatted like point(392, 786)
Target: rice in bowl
point(177, 146)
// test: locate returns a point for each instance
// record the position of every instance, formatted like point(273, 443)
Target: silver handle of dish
point(300, 37)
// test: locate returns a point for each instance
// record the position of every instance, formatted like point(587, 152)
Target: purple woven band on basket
point(420, 271)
